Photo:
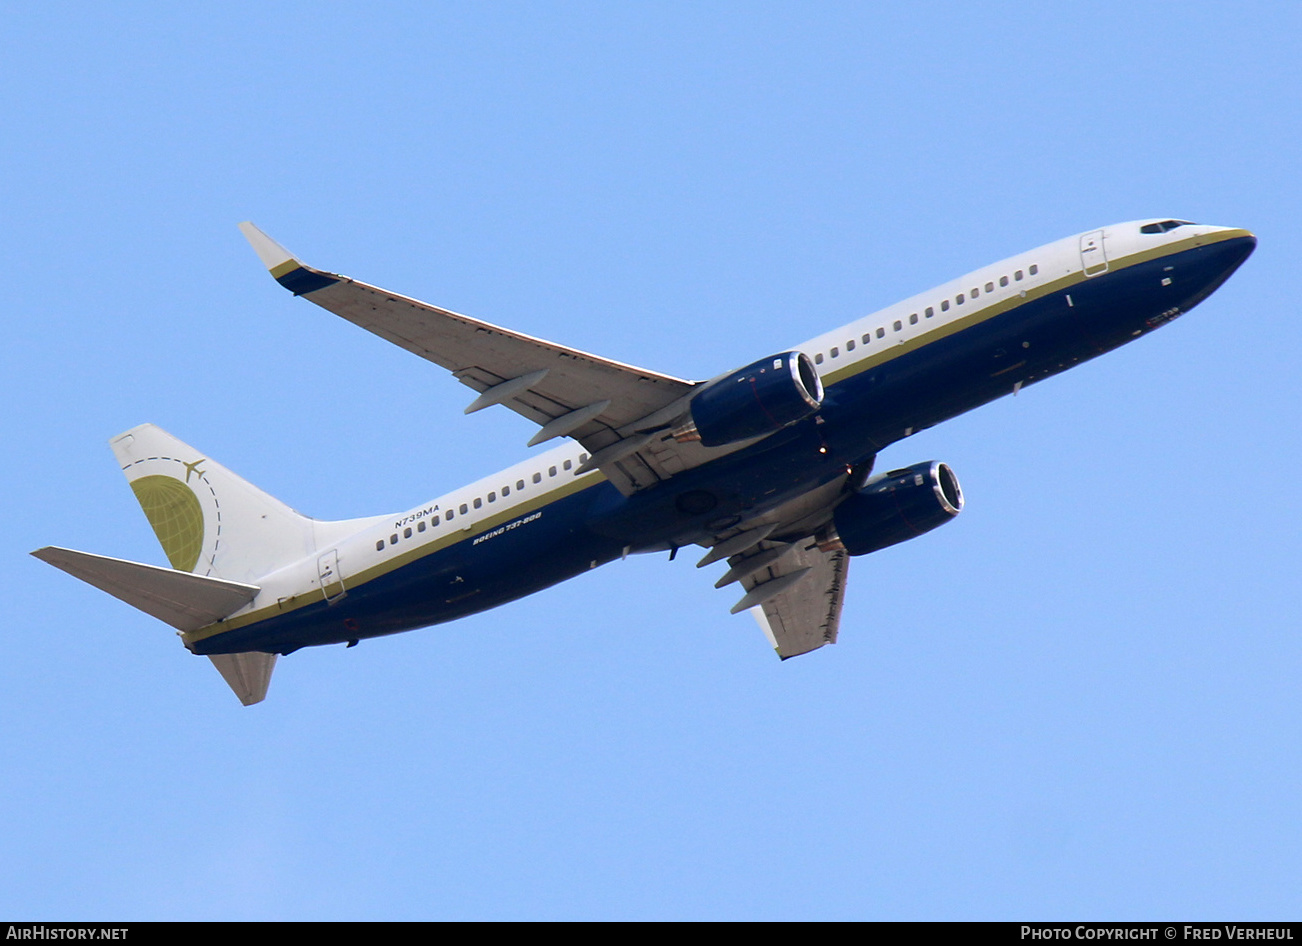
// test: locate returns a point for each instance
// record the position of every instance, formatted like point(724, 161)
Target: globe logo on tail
point(174, 512)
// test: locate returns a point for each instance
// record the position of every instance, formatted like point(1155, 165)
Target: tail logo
point(178, 508)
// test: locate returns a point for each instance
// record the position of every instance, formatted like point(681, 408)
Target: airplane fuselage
point(886, 376)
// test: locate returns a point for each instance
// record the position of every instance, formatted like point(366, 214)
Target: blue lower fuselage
point(862, 413)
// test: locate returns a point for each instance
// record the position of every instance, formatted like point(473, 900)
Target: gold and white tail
point(221, 535)
point(209, 521)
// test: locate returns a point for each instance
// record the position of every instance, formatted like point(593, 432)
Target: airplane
point(769, 467)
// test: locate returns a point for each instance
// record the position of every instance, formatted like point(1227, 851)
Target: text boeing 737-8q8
point(769, 466)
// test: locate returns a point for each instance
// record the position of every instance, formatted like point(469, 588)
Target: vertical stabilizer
point(208, 520)
point(249, 675)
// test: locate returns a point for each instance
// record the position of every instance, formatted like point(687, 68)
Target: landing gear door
point(331, 578)
point(1093, 256)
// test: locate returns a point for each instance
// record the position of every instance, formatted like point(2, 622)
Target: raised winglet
point(282, 264)
point(272, 254)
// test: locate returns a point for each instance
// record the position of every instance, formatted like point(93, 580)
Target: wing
point(808, 614)
point(795, 591)
point(621, 413)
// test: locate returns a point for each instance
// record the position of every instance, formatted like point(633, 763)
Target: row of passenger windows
point(477, 503)
point(929, 312)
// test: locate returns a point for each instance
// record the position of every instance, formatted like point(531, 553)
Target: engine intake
point(762, 398)
point(889, 509)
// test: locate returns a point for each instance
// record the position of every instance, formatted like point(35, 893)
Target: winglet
point(272, 254)
point(282, 265)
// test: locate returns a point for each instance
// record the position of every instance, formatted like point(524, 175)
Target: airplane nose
point(1241, 238)
point(1219, 260)
point(1234, 251)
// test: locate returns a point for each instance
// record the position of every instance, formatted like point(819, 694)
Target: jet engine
point(891, 508)
point(759, 399)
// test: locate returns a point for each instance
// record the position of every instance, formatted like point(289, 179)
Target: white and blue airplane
point(769, 466)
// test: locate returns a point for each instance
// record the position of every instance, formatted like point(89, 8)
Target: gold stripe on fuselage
point(1007, 304)
point(850, 369)
point(430, 547)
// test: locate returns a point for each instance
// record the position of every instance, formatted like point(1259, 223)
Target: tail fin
point(248, 675)
point(224, 531)
point(208, 520)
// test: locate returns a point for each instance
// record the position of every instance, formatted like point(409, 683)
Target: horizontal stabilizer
point(187, 602)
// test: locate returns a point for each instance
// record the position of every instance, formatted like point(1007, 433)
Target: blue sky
point(1078, 700)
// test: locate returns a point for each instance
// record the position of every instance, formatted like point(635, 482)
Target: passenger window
point(930, 311)
point(881, 333)
point(519, 484)
point(1034, 269)
point(420, 526)
point(506, 491)
point(379, 546)
point(551, 471)
point(818, 358)
point(1003, 280)
point(835, 351)
point(406, 533)
point(436, 518)
point(913, 319)
point(452, 515)
point(959, 298)
point(898, 325)
point(976, 291)
point(464, 509)
point(583, 458)
point(492, 496)
point(479, 503)
point(393, 539)
point(944, 305)
point(868, 337)
point(849, 346)
point(537, 477)
point(566, 465)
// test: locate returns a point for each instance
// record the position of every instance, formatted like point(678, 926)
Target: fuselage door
point(332, 579)
point(1093, 257)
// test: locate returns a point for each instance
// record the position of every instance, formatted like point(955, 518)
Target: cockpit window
point(1164, 226)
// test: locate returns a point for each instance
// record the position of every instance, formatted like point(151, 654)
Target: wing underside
point(793, 588)
point(806, 613)
point(621, 413)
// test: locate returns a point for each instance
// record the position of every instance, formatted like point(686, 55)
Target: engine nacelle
point(762, 398)
point(889, 509)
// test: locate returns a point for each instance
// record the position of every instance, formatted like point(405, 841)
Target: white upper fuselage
point(387, 542)
point(963, 300)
